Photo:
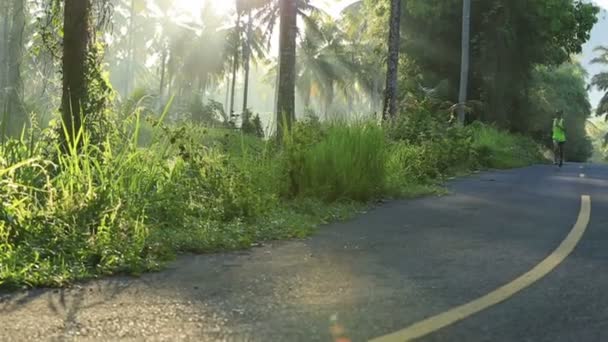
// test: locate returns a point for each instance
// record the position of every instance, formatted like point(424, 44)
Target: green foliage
point(445, 147)
point(208, 114)
point(99, 89)
point(252, 124)
point(561, 88)
point(420, 122)
point(601, 80)
point(509, 39)
point(118, 207)
point(104, 210)
point(62, 218)
point(501, 150)
point(598, 132)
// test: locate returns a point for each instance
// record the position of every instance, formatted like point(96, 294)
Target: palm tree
point(287, 64)
point(287, 12)
point(243, 41)
point(136, 26)
point(244, 45)
point(394, 37)
point(601, 80)
point(169, 42)
point(324, 61)
point(248, 6)
point(366, 76)
point(235, 58)
point(247, 58)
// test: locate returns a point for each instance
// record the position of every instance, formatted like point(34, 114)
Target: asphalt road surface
point(374, 275)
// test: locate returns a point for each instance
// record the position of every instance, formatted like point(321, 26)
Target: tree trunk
point(76, 35)
point(130, 52)
point(247, 60)
point(235, 65)
point(202, 86)
point(227, 92)
point(373, 98)
point(170, 78)
point(464, 66)
point(4, 49)
point(306, 97)
point(349, 103)
point(287, 65)
point(394, 37)
point(275, 102)
point(163, 66)
point(328, 100)
point(15, 56)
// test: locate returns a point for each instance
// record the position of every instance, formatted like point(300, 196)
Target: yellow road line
point(503, 293)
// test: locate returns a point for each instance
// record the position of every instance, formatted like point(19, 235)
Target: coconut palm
point(324, 63)
point(244, 45)
point(251, 38)
point(367, 76)
point(134, 28)
point(287, 12)
point(601, 80)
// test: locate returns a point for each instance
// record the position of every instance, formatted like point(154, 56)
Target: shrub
point(252, 124)
point(419, 122)
point(499, 149)
point(429, 143)
point(212, 113)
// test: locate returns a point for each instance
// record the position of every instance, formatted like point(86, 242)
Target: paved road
point(378, 273)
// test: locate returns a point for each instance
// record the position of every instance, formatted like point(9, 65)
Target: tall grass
point(115, 207)
point(348, 163)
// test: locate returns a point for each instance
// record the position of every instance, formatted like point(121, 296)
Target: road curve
point(376, 274)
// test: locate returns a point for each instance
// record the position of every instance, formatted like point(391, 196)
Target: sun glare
point(223, 7)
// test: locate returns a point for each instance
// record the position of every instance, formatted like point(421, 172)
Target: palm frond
point(269, 16)
point(312, 26)
point(602, 49)
point(600, 60)
point(602, 108)
point(600, 81)
point(353, 8)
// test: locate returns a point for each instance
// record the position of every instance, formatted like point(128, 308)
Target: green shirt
point(559, 132)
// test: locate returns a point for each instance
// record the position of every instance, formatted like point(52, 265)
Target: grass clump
point(345, 161)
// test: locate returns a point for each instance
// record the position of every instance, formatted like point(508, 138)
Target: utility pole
point(464, 65)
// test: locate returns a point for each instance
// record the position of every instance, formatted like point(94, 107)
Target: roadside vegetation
point(123, 207)
point(135, 130)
